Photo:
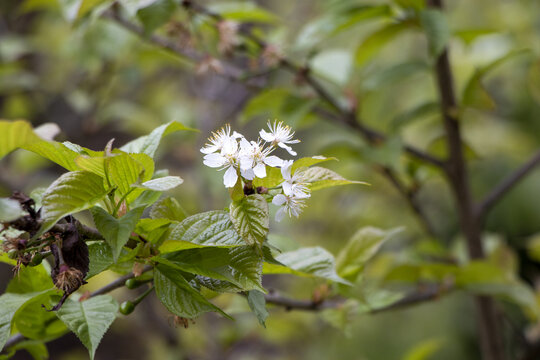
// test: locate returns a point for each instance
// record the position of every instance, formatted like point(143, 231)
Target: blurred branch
point(422, 295)
point(491, 340)
point(410, 197)
point(346, 117)
point(507, 184)
point(343, 116)
point(234, 73)
point(118, 283)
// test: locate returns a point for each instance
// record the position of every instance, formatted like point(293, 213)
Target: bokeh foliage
point(72, 63)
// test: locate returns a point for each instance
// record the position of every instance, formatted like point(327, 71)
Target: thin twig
point(414, 298)
point(507, 184)
point(410, 197)
point(118, 283)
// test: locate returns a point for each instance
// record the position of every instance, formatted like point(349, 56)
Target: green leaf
point(437, 31)
point(309, 161)
point(250, 218)
point(243, 12)
point(116, 231)
point(101, 258)
point(310, 261)
point(178, 296)
point(35, 322)
point(425, 349)
point(242, 266)
point(257, 303)
point(273, 178)
point(19, 134)
point(208, 228)
point(361, 247)
point(333, 23)
point(155, 15)
point(168, 208)
point(56, 152)
point(468, 36)
point(36, 349)
point(371, 45)
point(70, 193)
point(333, 65)
point(30, 279)
point(162, 184)
point(475, 95)
point(154, 230)
point(421, 111)
point(392, 75)
point(132, 6)
point(9, 305)
point(485, 278)
point(10, 210)
point(14, 134)
point(124, 170)
point(148, 144)
point(321, 178)
point(88, 5)
point(89, 319)
point(411, 4)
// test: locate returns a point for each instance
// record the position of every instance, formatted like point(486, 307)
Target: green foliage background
point(99, 81)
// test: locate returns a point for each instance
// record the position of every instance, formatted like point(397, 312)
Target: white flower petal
point(273, 161)
point(286, 169)
point(288, 148)
point(279, 199)
point(287, 188)
point(237, 135)
point(209, 149)
point(230, 177)
point(260, 170)
point(245, 145)
point(280, 214)
point(214, 160)
point(230, 146)
point(248, 174)
point(246, 162)
point(268, 137)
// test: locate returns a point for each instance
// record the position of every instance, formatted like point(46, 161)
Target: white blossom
point(227, 158)
point(279, 135)
point(218, 139)
point(294, 185)
point(289, 205)
point(253, 156)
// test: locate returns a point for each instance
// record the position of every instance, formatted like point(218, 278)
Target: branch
point(491, 341)
point(422, 295)
point(410, 197)
point(236, 74)
point(507, 184)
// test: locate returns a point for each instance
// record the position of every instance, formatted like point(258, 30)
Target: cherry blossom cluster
point(249, 159)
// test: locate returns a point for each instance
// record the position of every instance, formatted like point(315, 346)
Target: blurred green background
point(98, 81)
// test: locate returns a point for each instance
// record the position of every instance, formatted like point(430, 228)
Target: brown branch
point(456, 170)
point(234, 73)
point(507, 184)
point(410, 197)
point(414, 298)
